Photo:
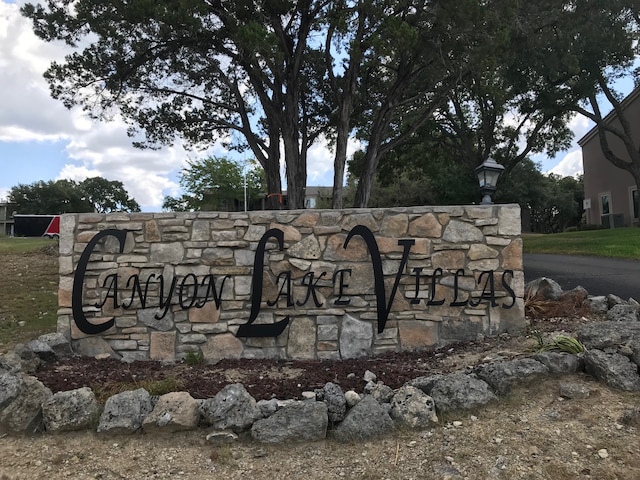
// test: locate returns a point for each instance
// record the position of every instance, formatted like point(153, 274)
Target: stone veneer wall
point(191, 246)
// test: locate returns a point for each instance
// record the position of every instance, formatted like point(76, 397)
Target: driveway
point(599, 275)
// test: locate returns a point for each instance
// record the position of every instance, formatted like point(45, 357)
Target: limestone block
point(302, 338)
point(306, 219)
point(174, 412)
point(356, 337)
point(222, 346)
point(365, 219)
point(427, 226)
point(200, 231)
point(395, 225)
point(171, 253)
point(70, 410)
point(479, 251)
point(509, 220)
point(209, 313)
point(459, 232)
point(417, 334)
point(291, 234)
point(512, 255)
point(308, 249)
point(163, 346)
point(254, 233)
point(356, 251)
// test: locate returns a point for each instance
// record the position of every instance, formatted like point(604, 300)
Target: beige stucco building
point(611, 194)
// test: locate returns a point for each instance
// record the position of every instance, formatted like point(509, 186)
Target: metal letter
point(78, 281)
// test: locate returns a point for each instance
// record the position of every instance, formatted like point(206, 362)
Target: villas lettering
point(191, 291)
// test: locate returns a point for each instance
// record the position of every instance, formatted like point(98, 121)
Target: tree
point(108, 196)
point(239, 71)
point(403, 58)
point(552, 203)
point(216, 183)
point(617, 30)
point(67, 196)
point(48, 198)
point(521, 81)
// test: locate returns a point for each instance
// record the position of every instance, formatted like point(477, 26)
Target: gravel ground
point(533, 433)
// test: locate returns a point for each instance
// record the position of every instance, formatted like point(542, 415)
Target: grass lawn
point(617, 242)
point(28, 289)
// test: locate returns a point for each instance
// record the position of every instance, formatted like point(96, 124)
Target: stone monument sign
point(297, 284)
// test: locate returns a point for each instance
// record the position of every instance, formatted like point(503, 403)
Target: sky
point(41, 140)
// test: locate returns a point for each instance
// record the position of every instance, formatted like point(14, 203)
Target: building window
point(605, 204)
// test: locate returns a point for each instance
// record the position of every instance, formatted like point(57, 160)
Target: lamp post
point(488, 173)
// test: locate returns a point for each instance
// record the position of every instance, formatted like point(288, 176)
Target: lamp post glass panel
point(488, 174)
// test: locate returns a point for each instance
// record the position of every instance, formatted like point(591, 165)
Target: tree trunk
point(371, 158)
point(339, 164)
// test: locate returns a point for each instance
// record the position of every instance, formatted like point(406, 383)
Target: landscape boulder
point(413, 408)
point(24, 413)
point(124, 412)
point(11, 384)
point(333, 396)
point(614, 369)
point(176, 411)
point(232, 408)
point(602, 335)
point(560, 362)
point(623, 313)
point(366, 420)
point(459, 391)
point(503, 374)
point(543, 288)
point(300, 421)
point(71, 410)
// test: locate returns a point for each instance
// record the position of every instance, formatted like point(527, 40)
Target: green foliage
point(108, 196)
point(217, 184)
point(194, 358)
point(561, 343)
point(52, 197)
point(496, 78)
point(552, 203)
point(94, 194)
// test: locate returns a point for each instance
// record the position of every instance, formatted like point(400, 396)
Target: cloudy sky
point(41, 140)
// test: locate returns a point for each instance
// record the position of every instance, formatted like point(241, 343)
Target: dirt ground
point(533, 433)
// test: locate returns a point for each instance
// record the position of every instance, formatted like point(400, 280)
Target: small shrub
point(591, 226)
point(561, 343)
point(194, 358)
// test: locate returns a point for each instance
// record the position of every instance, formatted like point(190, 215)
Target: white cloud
point(29, 114)
point(320, 162)
point(570, 165)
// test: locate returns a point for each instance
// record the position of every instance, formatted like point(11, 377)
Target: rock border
point(612, 356)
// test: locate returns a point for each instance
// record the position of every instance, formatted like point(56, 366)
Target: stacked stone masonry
point(183, 284)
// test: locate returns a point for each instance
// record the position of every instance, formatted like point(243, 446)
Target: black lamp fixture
point(488, 173)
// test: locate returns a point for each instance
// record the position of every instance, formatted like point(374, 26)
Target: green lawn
point(24, 245)
point(617, 242)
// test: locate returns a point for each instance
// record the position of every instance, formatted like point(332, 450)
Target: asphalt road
point(598, 275)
